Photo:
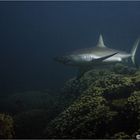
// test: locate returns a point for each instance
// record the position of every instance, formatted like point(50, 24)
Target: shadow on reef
point(31, 111)
point(101, 104)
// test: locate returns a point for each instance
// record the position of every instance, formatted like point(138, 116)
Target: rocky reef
point(103, 103)
point(31, 111)
point(6, 127)
point(106, 105)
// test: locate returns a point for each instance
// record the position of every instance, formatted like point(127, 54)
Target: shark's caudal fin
point(100, 42)
point(133, 51)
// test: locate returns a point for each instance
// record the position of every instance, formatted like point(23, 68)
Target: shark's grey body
point(98, 55)
point(92, 55)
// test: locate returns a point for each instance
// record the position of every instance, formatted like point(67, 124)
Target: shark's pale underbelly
point(88, 58)
point(113, 59)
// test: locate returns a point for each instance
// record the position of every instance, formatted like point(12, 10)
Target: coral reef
point(84, 118)
point(6, 127)
point(31, 111)
point(103, 103)
point(107, 106)
point(120, 136)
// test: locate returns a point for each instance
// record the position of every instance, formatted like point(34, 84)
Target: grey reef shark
point(100, 55)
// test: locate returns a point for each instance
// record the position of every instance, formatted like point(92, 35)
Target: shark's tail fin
point(133, 51)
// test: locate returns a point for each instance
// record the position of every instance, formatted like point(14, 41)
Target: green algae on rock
point(84, 116)
point(6, 127)
point(121, 136)
point(98, 111)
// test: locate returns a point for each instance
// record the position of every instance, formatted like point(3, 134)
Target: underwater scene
point(69, 70)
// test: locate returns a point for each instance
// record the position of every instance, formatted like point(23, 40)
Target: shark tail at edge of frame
point(133, 52)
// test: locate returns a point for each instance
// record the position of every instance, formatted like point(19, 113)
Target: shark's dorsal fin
point(101, 42)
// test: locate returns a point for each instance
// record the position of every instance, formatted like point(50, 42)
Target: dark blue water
point(32, 33)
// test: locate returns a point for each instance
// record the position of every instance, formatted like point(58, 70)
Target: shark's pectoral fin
point(103, 58)
point(83, 70)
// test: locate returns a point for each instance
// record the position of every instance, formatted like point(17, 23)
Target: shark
point(99, 55)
